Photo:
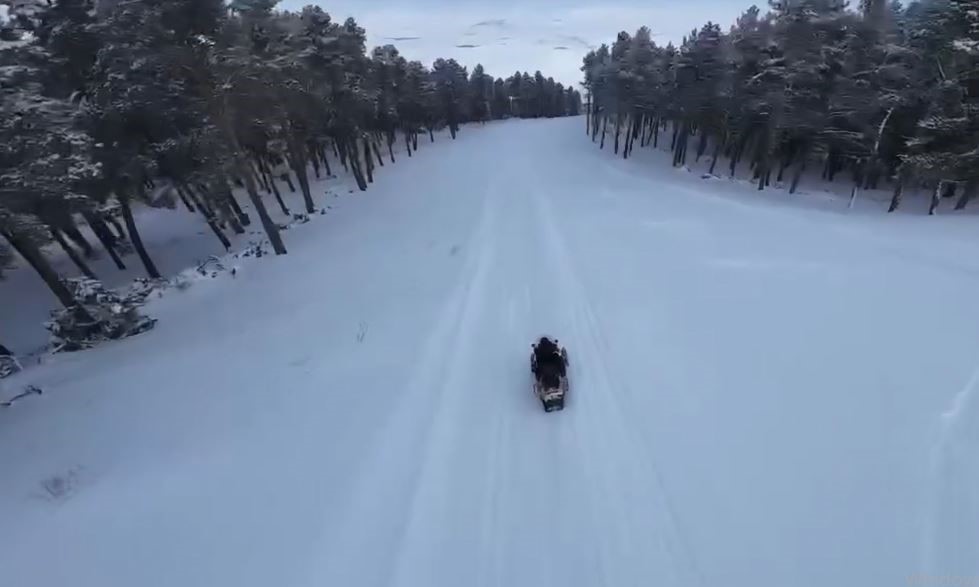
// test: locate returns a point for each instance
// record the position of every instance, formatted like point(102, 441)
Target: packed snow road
point(761, 395)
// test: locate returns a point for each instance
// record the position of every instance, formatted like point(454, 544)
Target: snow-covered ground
point(762, 394)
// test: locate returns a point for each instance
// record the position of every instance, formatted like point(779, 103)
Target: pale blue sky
point(506, 35)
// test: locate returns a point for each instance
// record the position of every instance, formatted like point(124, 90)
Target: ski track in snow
point(951, 542)
point(754, 392)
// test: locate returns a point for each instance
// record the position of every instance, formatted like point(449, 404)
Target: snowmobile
point(551, 378)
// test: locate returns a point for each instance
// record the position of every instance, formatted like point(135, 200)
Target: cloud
point(493, 22)
point(467, 46)
point(403, 38)
point(560, 48)
point(576, 40)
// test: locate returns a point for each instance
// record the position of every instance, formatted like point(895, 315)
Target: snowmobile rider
point(549, 358)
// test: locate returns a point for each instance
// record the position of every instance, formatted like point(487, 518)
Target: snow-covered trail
point(757, 395)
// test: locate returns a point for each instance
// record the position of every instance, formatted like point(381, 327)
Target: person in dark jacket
point(550, 363)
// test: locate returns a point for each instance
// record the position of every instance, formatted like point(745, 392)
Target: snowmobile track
point(604, 397)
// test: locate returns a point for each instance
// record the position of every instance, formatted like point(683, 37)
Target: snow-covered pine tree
point(43, 155)
point(480, 94)
point(451, 86)
point(886, 93)
point(500, 101)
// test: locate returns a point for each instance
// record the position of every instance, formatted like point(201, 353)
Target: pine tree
point(109, 101)
point(886, 93)
point(480, 94)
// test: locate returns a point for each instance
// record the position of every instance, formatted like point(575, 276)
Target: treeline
point(885, 92)
point(105, 102)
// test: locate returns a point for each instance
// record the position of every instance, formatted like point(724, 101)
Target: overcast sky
point(507, 35)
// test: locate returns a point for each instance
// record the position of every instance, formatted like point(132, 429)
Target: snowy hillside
point(762, 394)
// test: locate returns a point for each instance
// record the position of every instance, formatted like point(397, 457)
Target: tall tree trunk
point(377, 153)
point(226, 205)
point(326, 164)
point(288, 180)
point(210, 215)
point(183, 198)
point(701, 145)
point(408, 143)
point(761, 156)
point(618, 130)
point(628, 134)
point(207, 212)
point(296, 157)
point(903, 175)
point(229, 215)
point(368, 162)
point(120, 233)
point(74, 235)
point(300, 171)
point(105, 237)
point(315, 160)
point(261, 177)
point(781, 168)
point(136, 239)
point(36, 259)
point(391, 139)
point(604, 128)
point(684, 144)
point(936, 198)
point(740, 149)
point(588, 118)
point(431, 135)
point(342, 152)
point(797, 176)
point(72, 253)
point(278, 198)
point(968, 192)
point(233, 202)
point(350, 150)
point(713, 159)
point(271, 230)
point(414, 141)
point(271, 188)
point(680, 134)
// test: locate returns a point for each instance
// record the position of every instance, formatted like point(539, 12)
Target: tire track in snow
point(951, 529)
point(399, 460)
point(449, 380)
point(601, 404)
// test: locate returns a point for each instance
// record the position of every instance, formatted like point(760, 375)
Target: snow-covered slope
point(761, 395)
